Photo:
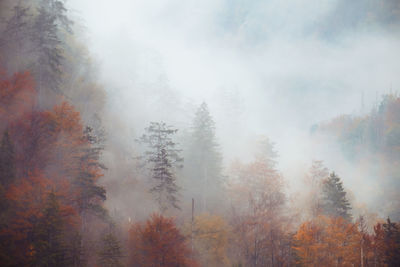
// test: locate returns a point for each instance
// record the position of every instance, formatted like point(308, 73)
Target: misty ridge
point(199, 133)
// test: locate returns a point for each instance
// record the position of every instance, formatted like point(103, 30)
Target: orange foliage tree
point(211, 235)
point(51, 153)
point(328, 241)
point(259, 221)
point(158, 243)
point(17, 96)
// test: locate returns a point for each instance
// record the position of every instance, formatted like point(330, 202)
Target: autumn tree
point(328, 241)
point(158, 243)
point(17, 97)
point(203, 165)
point(163, 160)
point(258, 216)
point(52, 154)
point(314, 180)
point(211, 235)
point(50, 149)
point(334, 200)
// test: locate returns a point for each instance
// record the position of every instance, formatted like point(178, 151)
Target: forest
point(87, 180)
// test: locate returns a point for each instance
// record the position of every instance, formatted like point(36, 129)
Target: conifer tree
point(110, 254)
point(334, 201)
point(163, 159)
point(7, 161)
point(14, 38)
point(7, 176)
point(91, 195)
point(203, 164)
point(392, 242)
point(50, 20)
point(48, 246)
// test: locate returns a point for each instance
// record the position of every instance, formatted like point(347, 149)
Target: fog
point(270, 68)
point(199, 133)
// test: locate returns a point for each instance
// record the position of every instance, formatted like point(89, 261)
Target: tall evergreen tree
point(7, 176)
point(15, 37)
point(110, 254)
point(334, 201)
point(91, 195)
point(7, 161)
point(48, 246)
point(392, 241)
point(47, 27)
point(163, 159)
point(203, 164)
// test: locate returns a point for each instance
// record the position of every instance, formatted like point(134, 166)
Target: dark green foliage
point(7, 161)
point(91, 195)
point(334, 201)
point(48, 26)
point(392, 241)
point(17, 28)
point(75, 255)
point(7, 176)
point(48, 245)
point(110, 254)
point(163, 159)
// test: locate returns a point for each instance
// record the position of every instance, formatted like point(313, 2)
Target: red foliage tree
point(51, 153)
point(158, 243)
point(17, 96)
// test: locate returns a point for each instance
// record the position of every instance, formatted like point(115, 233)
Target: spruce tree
point(91, 195)
point(203, 164)
point(163, 160)
point(49, 22)
point(7, 161)
point(110, 254)
point(334, 201)
point(49, 249)
point(392, 241)
point(14, 38)
point(7, 176)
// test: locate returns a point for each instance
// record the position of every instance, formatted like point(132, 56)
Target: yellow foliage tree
point(328, 241)
point(210, 239)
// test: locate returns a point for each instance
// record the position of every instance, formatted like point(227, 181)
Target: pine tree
point(48, 246)
point(14, 38)
point(203, 164)
point(48, 23)
point(334, 201)
point(110, 254)
point(7, 176)
point(392, 242)
point(75, 250)
point(7, 164)
point(91, 195)
point(164, 159)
